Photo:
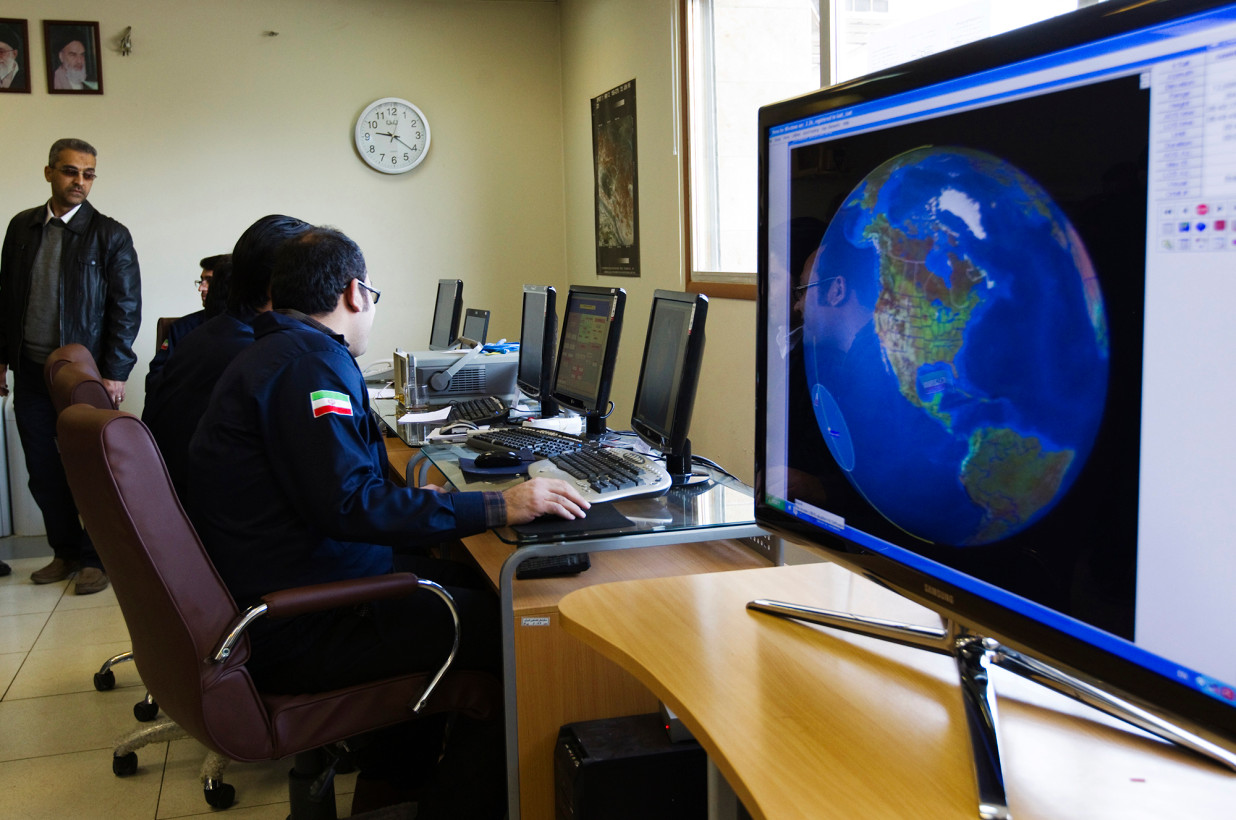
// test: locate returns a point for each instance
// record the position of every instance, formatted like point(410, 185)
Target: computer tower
point(622, 768)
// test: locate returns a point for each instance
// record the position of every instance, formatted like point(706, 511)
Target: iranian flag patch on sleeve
point(330, 401)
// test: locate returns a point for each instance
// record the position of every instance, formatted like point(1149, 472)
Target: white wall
point(209, 125)
point(604, 44)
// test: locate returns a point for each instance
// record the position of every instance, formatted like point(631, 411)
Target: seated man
point(176, 400)
point(288, 485)
point(216, 270)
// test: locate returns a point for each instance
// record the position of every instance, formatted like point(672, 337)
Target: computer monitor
point(668, 375)
point(475, 325)
point(447, 308)
point(591, 328)
point(995, 347)
point(538, 337)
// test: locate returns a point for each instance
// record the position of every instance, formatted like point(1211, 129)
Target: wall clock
point(392, 135)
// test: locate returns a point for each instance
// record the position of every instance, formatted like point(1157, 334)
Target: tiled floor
point(56, 731)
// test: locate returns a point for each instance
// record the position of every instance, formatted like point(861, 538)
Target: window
point(741, 54)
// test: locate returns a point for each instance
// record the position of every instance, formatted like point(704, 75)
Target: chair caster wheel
point(104, 681)
point(124, 765)
point(145, 712)
point(221, 796)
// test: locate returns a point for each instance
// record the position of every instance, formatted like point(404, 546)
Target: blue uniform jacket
point(288, 473)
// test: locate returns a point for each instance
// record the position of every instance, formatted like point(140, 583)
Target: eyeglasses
point(73, 172)
point(197, 283)
point(377, 294)
point(801, 288)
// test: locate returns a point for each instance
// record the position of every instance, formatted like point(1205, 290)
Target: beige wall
point(604, 44)
point(209, 125)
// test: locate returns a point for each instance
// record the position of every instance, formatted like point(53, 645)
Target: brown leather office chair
point(188, 634)
point(65, 354)
point(162, 325)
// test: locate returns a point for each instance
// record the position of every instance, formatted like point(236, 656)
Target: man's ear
point(837, 291)
point(353, 297)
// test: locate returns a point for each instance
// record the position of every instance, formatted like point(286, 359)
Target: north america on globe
point(956, 345)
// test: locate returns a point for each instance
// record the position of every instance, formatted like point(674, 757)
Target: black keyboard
point(485, 410)
point(538, 442)
point(606, 473)
point(550, 566)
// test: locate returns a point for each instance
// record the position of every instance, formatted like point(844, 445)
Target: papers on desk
point(439, 414)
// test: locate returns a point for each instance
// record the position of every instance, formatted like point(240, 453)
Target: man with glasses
point(67, 274)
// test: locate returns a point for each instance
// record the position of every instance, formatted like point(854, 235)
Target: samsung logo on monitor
point(937, 593)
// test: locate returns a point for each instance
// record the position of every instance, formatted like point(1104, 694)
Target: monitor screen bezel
point(1158, 693)
point(539, 388)
point(673, 437)
point(440, 323)
point(598, 404)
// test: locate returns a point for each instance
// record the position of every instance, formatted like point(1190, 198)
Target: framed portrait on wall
point(74, 63)
point(14, 56)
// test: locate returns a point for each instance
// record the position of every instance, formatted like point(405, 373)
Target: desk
point(804, 722)
point(549, 678)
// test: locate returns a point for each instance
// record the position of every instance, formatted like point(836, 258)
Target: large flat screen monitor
point(996, 363)
point(668, 375)
point(447, 308)
point(538, 337)
point(591, 329)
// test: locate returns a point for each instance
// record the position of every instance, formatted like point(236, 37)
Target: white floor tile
point(18, 633)
point(78, 785)
point(83, 628)
point(72, 669)
point(38, 727)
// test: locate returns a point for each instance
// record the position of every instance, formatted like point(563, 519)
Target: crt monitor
point(591, 328)
point(995, 348)
point(668, 375)
point(475, 325)
point(447, 308)
point(538, 336)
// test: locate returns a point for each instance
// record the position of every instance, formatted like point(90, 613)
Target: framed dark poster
point(616, 177)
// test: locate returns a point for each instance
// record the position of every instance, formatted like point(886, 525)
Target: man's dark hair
point(68, 144)
point(253, 259)
point(212, 262)
point(220, 285)
point(312, 271)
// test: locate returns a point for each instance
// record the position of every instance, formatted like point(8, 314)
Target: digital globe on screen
point(955, 345)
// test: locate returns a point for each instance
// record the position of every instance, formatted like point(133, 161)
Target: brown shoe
point(90, 580)
point(57, 570)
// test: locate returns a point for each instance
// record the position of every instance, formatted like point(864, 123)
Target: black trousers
point(454, 766)
point(36, 424)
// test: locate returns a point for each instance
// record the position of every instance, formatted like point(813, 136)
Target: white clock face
point(392, 135)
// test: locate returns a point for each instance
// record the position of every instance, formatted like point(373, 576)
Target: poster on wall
point(616, 177)
point(73, 57)
point(14, 59)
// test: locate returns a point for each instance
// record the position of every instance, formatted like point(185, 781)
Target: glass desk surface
point(721, 501)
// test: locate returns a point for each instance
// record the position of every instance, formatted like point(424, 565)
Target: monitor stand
point(974, 656)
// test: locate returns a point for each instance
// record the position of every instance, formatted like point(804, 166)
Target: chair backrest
point(174, 603)
point(162, 325)
point(74, 383)
point(65, 354)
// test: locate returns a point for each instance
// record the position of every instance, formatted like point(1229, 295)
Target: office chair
point(162, 325)
point(188, 634)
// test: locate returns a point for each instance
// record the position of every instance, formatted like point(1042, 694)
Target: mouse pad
point(600, 517)
point(468, 465)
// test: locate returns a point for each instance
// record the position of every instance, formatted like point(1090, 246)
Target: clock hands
point(396, 138)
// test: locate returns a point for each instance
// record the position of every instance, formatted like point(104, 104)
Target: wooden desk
point(558, 679)
point(804, 722)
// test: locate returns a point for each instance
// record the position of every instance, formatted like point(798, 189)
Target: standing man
point(67, 274)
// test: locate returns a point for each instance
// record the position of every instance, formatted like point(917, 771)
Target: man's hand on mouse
point(543, 496)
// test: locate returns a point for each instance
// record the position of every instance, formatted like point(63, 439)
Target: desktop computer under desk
point(549, 677)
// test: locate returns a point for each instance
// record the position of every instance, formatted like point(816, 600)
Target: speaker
point(620, 768)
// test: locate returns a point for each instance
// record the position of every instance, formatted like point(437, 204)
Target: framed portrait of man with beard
point(73, 57)
point(14, 57)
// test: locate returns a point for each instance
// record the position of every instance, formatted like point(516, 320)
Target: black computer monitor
point(475, 325)
point(668, 375)
point(538, 338)
point(447, 308)
point(997, 377)
point(591, 328)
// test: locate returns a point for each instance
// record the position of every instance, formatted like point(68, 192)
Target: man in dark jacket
point(67, 274)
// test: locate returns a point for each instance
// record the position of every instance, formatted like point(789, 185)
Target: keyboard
point(485, 410)
point(551, 566)
point(606, 473)
point(538, 442)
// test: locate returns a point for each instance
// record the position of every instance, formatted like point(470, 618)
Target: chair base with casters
point(188, 635)
point(219, 795)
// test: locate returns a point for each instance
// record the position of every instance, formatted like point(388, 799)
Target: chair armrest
point(287, 603)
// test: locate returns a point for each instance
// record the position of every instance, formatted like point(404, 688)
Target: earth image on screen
point(955, 346)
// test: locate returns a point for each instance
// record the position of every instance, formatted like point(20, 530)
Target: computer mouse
point(498, 458)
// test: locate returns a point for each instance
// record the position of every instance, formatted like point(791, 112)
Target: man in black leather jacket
point(82, 286)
